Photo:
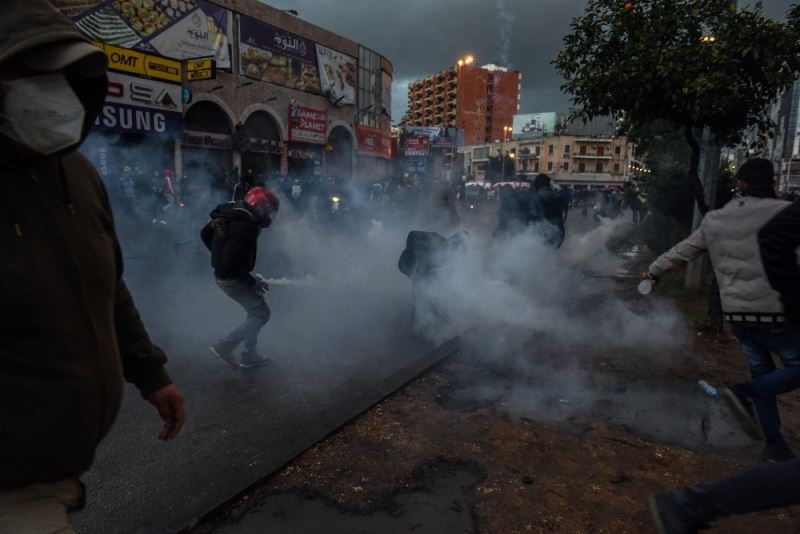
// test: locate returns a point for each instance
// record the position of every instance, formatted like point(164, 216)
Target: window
point(550, 149)
point(566, 149)
point(536, 166)
point(599, 167)
point(616, 167)
point(617, 150)
point(549, 165)
point(566, 165)
point(538, 150)
point(600, 150)
point(583, 150)
point(581, 167)
point(369, 87)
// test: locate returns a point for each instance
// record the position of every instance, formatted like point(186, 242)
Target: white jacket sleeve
point(687, 250)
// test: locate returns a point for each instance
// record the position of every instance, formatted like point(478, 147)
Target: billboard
point(386, 93)
point(337, 75)
point(438, 137)
point(374, 142)
point(273, 55)
point(141, 106)
point(178, 29)
point(533, 125)
point(307, 125)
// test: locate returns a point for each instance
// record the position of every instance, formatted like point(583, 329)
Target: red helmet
point(263, 203)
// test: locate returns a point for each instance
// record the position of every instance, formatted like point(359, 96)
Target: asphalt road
point(336, 350)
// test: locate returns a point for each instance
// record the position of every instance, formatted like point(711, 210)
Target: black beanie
point(760, 177)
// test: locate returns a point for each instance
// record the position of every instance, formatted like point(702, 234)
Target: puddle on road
point(441, 504)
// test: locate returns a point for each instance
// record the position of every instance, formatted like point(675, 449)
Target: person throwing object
point(232, 237)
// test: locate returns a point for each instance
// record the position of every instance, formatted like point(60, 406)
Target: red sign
point(416, 146)
point(374, 142)
point(307, 125)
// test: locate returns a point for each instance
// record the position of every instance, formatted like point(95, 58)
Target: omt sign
point(131, 61)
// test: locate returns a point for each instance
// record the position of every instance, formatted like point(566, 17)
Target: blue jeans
point(257, 313)
point(759, 342)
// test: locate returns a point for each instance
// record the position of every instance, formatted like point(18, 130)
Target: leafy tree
point(691, 63)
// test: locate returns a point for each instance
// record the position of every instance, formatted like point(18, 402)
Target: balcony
point(592, 156)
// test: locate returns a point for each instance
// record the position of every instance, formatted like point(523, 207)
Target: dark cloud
point(421, 37)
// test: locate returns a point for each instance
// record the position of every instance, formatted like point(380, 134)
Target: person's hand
point(261, 284)
point(169, 403)
point(647, 276)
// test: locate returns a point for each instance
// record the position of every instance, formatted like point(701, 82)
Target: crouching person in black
point(232, 237)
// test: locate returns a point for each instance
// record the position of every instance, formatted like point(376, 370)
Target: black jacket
point(549, 206)
point(232, 238)
point(778, 241)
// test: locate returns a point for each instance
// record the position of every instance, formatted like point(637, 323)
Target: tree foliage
point(691, 63)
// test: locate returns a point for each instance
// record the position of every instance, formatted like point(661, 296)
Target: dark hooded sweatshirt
point(69, 329)
point(232, 238)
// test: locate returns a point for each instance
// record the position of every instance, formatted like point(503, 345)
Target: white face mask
point(42, 113)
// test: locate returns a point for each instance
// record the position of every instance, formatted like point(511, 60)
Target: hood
point(33, 24)
point(233, 210)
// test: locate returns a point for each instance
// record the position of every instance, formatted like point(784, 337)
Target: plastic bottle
point(708, 389)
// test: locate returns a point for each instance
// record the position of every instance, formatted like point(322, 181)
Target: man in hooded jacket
point(69, 329)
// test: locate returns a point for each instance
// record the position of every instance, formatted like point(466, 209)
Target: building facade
point(286, 96)
point(482, 101)
point(578, 161)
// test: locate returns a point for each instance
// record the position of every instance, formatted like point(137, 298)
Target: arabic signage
point(374, 142)
point(438, 137)
point(337, 75)
point(178, 29)
point(201, 69)
point(416, 146)
point(533, 125)
point(307, 125)
point(270, 54)
point(137, 105)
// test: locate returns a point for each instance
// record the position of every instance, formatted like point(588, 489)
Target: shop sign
point(140, 105)
point(374, 142)
point(201, 69)
point(265, 146)
point(205, 140)
point(273, 55)
point(416, 165)
point(416, 146)
point(307, 125)
point(133, 62)
point(119, 118)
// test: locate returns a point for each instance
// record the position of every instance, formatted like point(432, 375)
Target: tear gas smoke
point(504, 19)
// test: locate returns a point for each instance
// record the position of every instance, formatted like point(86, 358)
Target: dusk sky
point(422, 37)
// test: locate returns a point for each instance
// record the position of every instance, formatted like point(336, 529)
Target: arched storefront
point(207, 151)
point(262, 152)
point(339, 157)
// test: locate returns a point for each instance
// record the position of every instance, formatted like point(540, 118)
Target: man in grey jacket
point(750, 304)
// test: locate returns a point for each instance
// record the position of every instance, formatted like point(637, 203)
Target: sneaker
point(776, 452)
point(742, 408)
point(251, 358)
point(224, 353)
point(669, 517)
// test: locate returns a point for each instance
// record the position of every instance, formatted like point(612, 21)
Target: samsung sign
point(141, 106)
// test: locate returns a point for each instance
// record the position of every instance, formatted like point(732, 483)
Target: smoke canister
point(708, 389)
point(645, 287)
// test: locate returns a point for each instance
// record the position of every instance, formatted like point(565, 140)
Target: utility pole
point(710, 153)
